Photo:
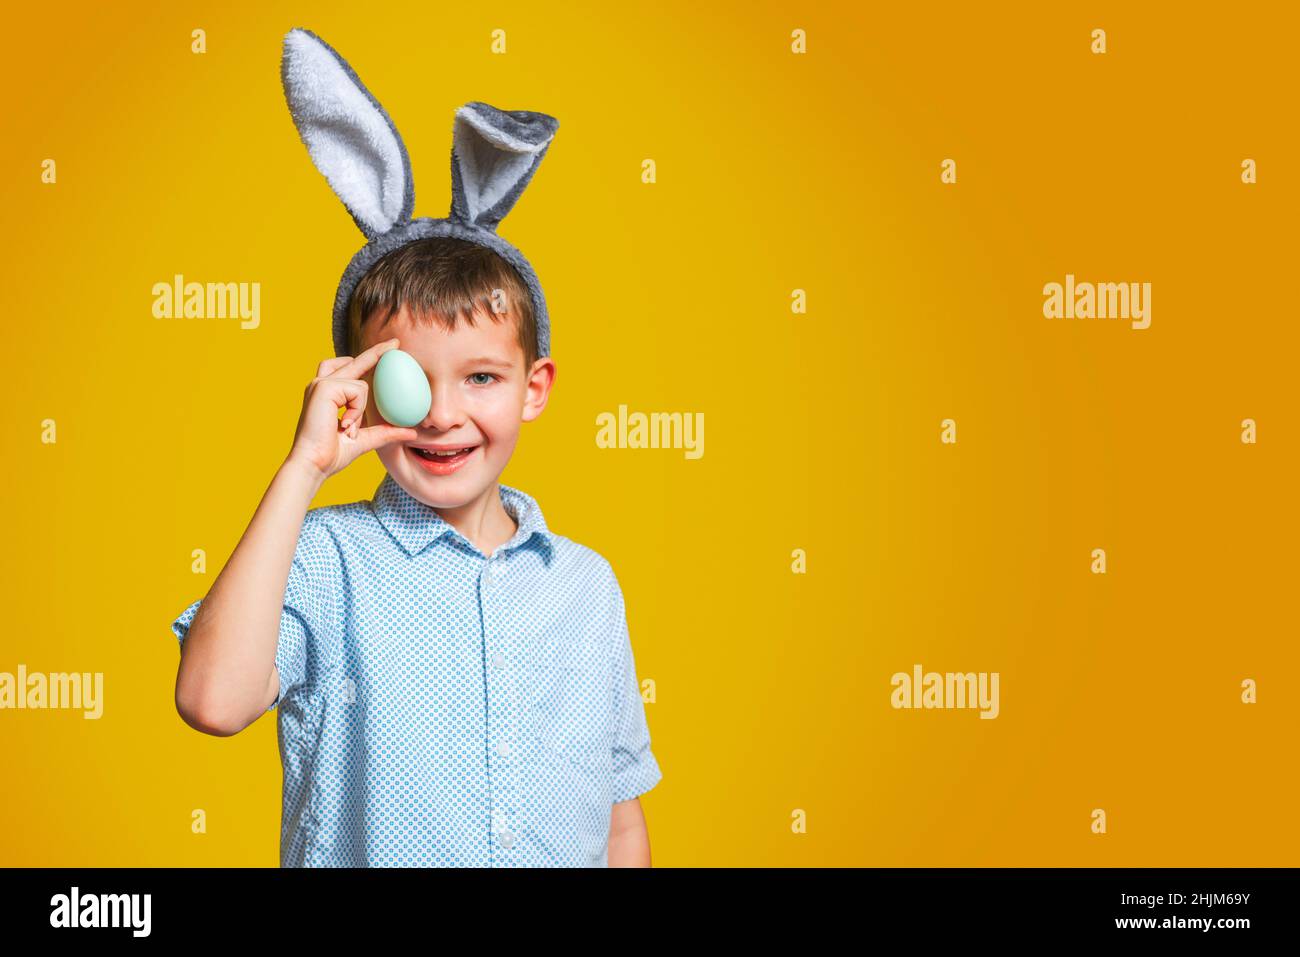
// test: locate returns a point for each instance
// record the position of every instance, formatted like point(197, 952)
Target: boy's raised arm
point(227, 675)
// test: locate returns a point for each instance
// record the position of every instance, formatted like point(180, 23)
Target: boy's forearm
point(224, 681)
point(629, 839)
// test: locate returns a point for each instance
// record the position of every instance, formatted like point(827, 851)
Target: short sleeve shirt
point(440, 707)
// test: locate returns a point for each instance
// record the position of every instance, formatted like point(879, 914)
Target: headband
point(355, 145)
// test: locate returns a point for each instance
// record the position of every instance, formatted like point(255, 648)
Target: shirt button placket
point(501, 723)
point(494, 568)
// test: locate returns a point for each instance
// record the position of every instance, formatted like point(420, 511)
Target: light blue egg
point(401, 389)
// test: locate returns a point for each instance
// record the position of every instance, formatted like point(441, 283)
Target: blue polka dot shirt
point(439, 707)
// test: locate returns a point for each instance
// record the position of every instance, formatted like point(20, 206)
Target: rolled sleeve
point(636, 769)
point(306, 619)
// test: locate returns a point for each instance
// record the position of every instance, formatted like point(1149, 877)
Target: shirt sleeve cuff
point(638, 778)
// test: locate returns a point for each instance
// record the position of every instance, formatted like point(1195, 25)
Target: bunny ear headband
point(353, 142)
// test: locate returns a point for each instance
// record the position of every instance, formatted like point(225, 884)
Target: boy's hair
point(443, 279)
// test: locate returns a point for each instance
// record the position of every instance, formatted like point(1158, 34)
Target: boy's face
point(481, 396)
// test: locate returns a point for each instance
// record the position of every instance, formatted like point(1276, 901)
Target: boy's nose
point(445, 411)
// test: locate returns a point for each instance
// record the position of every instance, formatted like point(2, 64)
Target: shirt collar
point(415, 524)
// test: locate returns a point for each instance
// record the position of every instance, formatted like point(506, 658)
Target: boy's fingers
point(353, 392)
point(329, 365)
point(377, 436)
point(356, 368)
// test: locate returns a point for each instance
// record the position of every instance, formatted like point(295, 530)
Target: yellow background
point(775, 172)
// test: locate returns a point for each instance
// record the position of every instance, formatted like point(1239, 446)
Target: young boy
point(455, 681)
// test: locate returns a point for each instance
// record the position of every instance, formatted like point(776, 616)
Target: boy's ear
point(494, 154)
point(350, 137)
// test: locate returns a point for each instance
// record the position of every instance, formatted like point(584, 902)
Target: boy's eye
point(491, 378)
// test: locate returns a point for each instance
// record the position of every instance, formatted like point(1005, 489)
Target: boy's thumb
point(377, 436)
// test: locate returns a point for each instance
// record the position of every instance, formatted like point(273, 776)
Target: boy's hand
point(325, 442)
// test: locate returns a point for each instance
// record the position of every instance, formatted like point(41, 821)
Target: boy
point(455, 682)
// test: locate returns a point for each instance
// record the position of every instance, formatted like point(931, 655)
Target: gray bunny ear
point(350, 137)
point(494, 154)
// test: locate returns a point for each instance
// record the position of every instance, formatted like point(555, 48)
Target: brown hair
point(444, 279)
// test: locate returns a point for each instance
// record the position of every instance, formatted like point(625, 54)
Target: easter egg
point(401, 389)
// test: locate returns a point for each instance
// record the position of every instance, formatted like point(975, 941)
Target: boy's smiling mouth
point(441, 459)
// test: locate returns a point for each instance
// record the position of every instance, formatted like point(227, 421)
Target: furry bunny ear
point(350, 138)
point(494, 154)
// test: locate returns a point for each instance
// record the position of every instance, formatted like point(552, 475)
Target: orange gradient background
point(776, 172)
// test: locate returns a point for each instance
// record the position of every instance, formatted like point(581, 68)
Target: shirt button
point(503, 748)
point(498, 661)
point(507, 838)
